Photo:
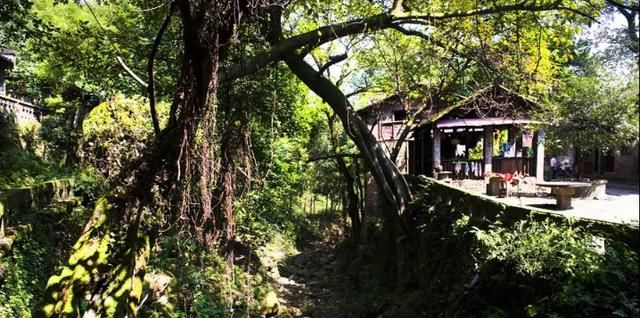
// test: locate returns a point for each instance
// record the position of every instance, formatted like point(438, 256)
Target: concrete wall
point(625, 166)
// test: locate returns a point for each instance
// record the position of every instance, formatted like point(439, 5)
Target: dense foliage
point(529, 268)
point(243, 156)
point(566, 272)
point(593, 108)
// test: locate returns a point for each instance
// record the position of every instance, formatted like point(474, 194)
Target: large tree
point(190, 164)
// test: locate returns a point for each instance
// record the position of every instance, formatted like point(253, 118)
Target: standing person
point(554, 167)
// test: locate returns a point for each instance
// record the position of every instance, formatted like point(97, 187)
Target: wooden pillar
point(512, 135)
point(422, 168)
point(487, 148)
point(540, 156)
point(571, 153)
point(437, 141)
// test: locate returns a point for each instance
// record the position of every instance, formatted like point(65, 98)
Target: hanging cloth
point(527, 139)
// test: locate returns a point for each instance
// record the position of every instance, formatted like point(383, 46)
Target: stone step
point(12, 234)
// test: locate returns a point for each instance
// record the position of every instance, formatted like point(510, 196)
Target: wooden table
point(563, 191)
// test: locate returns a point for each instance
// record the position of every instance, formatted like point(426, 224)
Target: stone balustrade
point(22, 110)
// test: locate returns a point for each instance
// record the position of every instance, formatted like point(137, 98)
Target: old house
point(23, 111)
point(620, 165)
point(490, 131)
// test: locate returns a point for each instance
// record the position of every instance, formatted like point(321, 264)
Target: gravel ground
point(621, 205)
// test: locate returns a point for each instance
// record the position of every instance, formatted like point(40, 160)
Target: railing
point(467, 169)
point(22, 110)
point(474, 169)
point(522, 165)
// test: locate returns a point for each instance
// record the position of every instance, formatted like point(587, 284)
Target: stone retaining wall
point(485, 210)
point(22, 200)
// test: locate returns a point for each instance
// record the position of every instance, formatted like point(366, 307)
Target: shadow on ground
point(312, 283)
point(547, 206)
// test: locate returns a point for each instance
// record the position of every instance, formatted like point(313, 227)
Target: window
point(399, 115)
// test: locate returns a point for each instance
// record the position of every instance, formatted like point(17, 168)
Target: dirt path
point(310, 282)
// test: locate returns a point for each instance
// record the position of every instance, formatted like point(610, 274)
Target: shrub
point(117, 131)
point(8, 131)
point(540, 248)
point(555, 270)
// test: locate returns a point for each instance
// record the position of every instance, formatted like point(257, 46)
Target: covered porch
point(469, 148)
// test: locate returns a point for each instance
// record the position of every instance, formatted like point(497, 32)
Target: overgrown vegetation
point(117, 132)
point(228, 155)
point(469, 267)
point(20, 164)
point(556, 270)
point(38, 253)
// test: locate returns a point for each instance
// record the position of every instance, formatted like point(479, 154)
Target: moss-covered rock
point(270, 305)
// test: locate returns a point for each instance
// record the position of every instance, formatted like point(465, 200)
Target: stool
point(497, 187)
point(443, 175)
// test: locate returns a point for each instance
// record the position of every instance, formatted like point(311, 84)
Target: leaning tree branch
point(118, 58)
point(521, 6)
point(131, 73)
point(623, 6)
point(384, 171)
point(332, 61)
point(580, 13)
point(305, 42)
point(151, 88)
point(334, 156)
point(313, 38)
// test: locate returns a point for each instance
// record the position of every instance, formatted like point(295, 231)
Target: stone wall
point(486, 210)
point(24, 200)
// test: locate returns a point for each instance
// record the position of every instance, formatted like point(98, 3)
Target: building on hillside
point(489, 131)
point(7, 62)
point(615, 165)
point(23, 111)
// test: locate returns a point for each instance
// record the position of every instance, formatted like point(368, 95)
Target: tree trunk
point(384, 171)
point(109, 258)
point(108, 261)
point(351, 198)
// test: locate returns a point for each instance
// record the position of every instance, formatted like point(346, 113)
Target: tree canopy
point(232, 126)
